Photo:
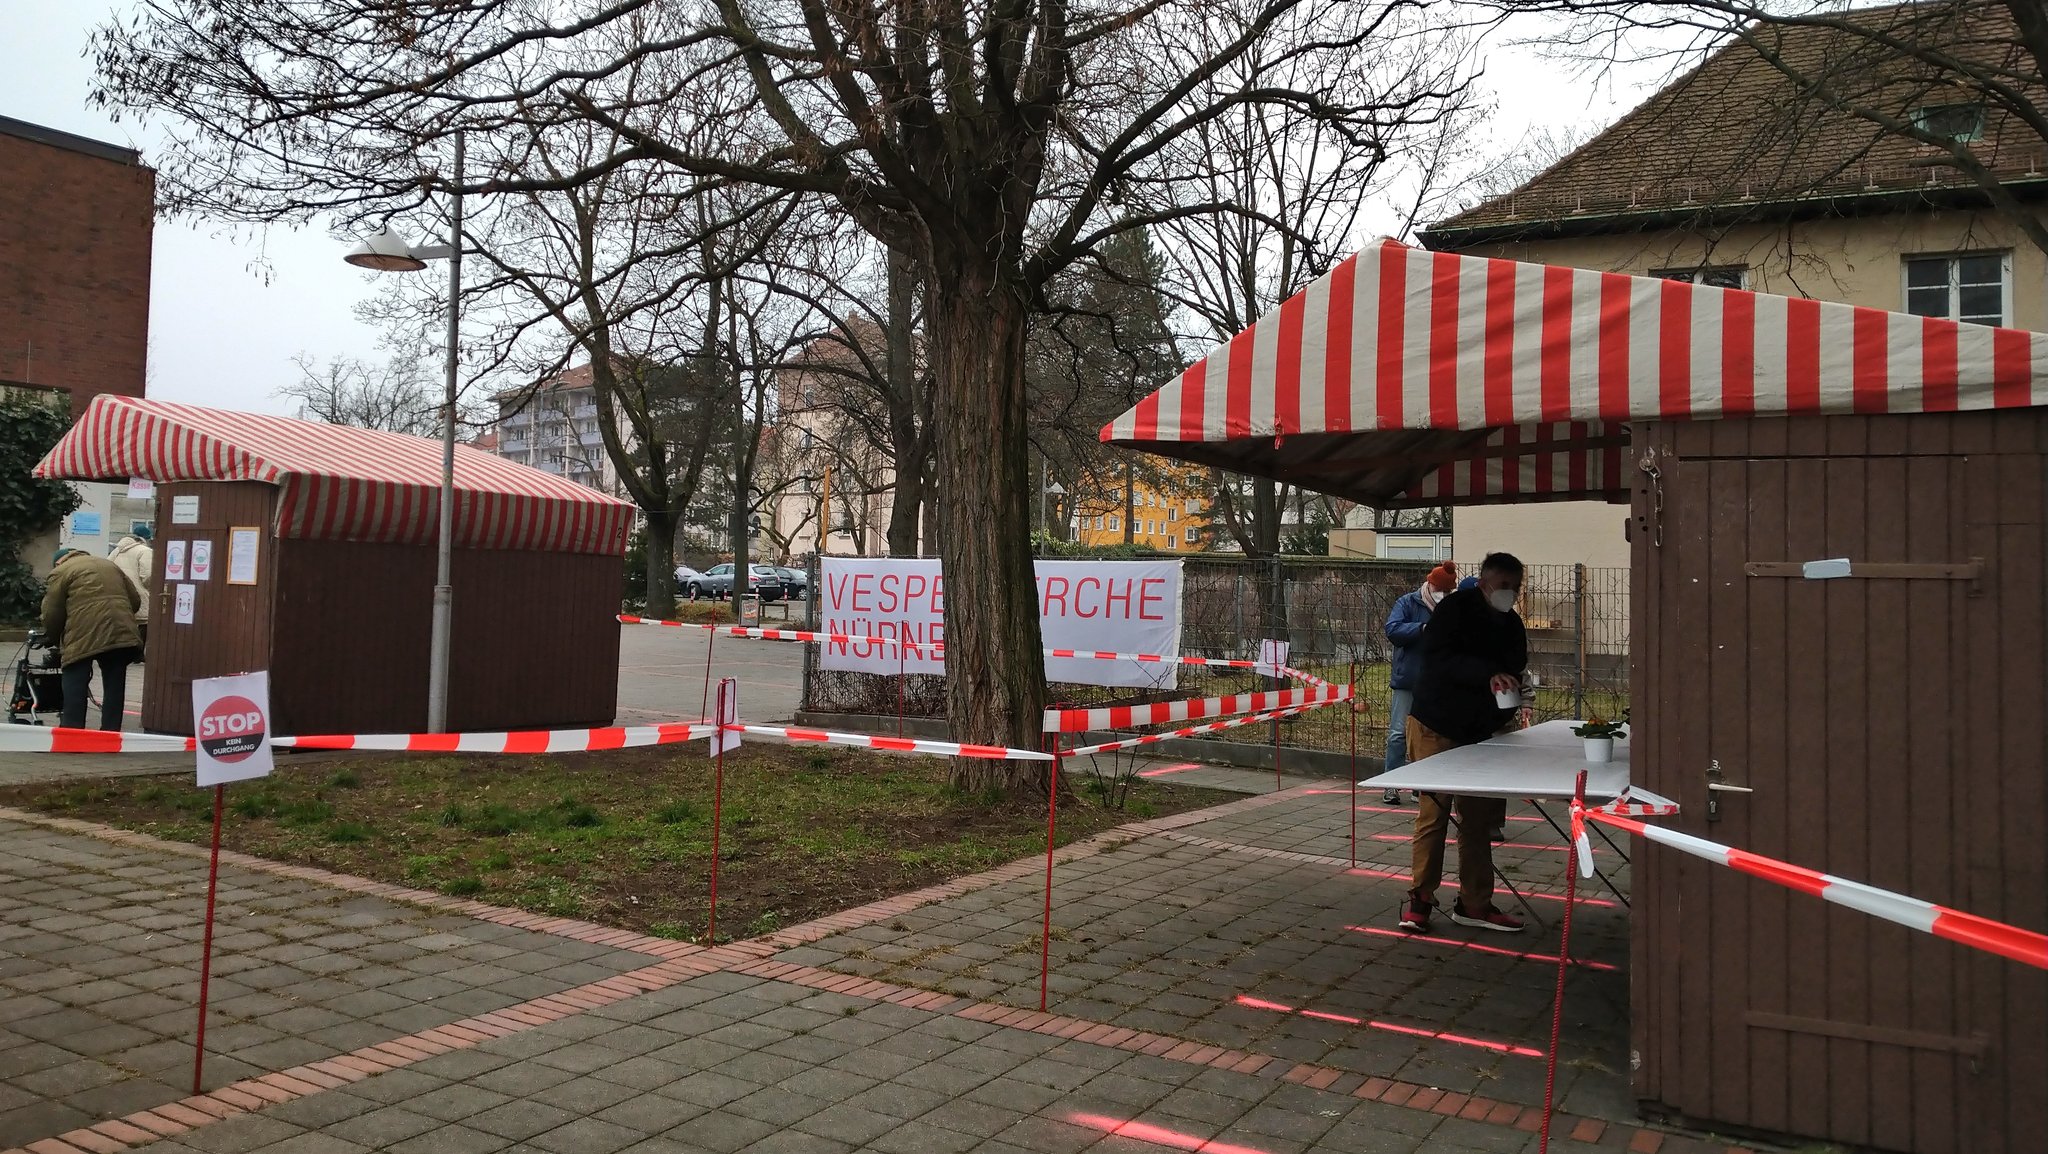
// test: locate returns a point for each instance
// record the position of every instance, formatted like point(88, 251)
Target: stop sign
point(231, 729)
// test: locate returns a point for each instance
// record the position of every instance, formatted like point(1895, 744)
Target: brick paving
point(513, 1031)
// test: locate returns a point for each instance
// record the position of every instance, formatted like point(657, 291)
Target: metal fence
point(1332, 614)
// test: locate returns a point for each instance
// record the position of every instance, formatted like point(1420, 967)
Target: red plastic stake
point(1353, 683)
point(1564, 958)
point(710, 639)
point(220, 793)
point(1052, 813)
point(717, 810)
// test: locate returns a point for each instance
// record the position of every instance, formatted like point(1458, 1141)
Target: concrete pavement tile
point(39, 1120)
point(976, 1118)
point(588, 1136)
point(708, 1088)
point(942, 1077)
point(451, 1140)
point(521, 1079)
point(650, 1113)
point(923, 1138)
point(381, 1128)
point(520, 1121)
point(797, 1142)
point(1015, 1094)
point(397, 1085)
point(767, 1069)
point(722, 1132)
point(1049, 1136)
point(585, 1096)
point(848, 1123)
point(774, 1104)
point(453, 1103)
point(827, 1083)
point(313, 1144)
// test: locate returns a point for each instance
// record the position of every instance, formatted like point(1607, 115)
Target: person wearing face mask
point(1473, 647)
point(1404, 632)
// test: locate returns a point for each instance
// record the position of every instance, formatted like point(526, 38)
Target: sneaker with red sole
point(1415, 915)
point(1489, 919)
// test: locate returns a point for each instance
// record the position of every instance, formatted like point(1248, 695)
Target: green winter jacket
point(89, 608)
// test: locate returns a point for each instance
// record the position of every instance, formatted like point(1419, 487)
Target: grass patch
point(621, 837)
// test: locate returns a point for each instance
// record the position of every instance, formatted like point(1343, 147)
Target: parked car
point(795, 582)
point(762, 581)
point(685, 575)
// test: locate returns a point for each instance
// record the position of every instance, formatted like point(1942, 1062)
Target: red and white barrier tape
point(38, 739)
point(939, 650)
point(1211, 727)
point(803, 635)
point(57, 739)
point(1188, 709)
point(793, 733)
point(513, 741)
point(1980, 933)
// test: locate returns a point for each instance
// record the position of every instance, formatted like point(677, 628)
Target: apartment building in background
point(554, 428)
point(76, 221)
point(1712, 180)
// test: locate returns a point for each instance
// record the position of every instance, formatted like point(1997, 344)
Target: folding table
point(1535, 764)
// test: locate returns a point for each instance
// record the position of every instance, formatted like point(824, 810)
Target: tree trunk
point(995, 669)
point(660, 548)
point(906, 439)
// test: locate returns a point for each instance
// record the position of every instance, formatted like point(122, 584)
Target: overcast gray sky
point(229, 308)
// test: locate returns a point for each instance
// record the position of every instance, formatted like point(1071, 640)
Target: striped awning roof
point(341, 483)
point(1406, 377)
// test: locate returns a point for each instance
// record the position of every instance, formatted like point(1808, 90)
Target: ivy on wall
point(29, 506)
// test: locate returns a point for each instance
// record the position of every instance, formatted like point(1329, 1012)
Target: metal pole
point(1579, 628)
point(444, 596)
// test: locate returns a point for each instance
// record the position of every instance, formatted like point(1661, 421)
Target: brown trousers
point(1478, 817)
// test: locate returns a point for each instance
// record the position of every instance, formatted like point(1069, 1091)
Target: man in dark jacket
point(89, 612)
point(1404, 632)
point(1473, 647)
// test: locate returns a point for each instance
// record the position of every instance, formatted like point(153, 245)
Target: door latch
point(1716, 786)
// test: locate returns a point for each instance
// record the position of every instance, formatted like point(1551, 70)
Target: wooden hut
point(1888, 721)
point(308, 550)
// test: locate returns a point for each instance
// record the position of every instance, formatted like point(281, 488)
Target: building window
point(1973, 287)
point(1113, 524)
point(1173, 513)
point(1730, 276)
point(1192, 535)
point(1961, 123)
point(1170, 543)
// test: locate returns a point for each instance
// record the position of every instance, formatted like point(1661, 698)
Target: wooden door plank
point(1771, 922)
point(1926, 852)
point(1728, 912)
point(1976, 843)
point(1806, 486)
point(1646, 1025)
point(2023, 800)
point(1888, 773)
point(1688, 501)
point(1844, 816)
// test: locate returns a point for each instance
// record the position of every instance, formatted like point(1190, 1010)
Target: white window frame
point(2004, 276)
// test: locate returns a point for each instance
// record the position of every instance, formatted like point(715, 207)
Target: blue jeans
point(1397, 728)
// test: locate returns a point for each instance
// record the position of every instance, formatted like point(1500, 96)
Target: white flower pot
point(1599, 750)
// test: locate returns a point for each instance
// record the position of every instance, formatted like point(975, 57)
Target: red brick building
point(75, 220)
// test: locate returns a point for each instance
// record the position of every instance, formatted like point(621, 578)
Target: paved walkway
point(354, 1016)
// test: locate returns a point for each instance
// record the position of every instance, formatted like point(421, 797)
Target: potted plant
point(1599, 735)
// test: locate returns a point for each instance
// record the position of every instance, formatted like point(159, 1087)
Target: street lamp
point(1044, 518)
point(389, 252)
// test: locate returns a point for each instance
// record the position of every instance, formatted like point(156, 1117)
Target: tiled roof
point(1736, 136)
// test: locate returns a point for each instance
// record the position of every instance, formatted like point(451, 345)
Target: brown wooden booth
point(1889, 722)
point(320, 569)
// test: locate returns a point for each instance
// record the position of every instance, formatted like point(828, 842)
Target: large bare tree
point(985, 140)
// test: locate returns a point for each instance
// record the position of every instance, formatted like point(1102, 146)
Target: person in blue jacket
point(1404, 631)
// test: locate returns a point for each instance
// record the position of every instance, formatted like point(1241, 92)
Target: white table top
point(1541, 762)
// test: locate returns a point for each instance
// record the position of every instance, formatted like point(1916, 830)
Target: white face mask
point(1430, 596)
point(1502, 600)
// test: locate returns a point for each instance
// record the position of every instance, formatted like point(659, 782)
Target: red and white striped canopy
point(1405, 377)
point(341, 483)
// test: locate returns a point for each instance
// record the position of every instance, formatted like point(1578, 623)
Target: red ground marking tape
point(1392, 1027)
point(1164, 770)
point(1364, 871)
point(1158, 1135)
point(1496, 845)
point(1977, 932)
point(1479, 946)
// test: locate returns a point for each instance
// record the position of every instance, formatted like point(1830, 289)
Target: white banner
point(1107, 606)
point(231, 719)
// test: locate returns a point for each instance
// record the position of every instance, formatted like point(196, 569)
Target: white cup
point(1508, 698)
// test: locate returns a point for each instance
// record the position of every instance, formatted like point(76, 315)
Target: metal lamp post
point(389, 252)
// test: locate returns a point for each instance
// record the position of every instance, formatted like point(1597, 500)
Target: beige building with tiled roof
point(1731, 177)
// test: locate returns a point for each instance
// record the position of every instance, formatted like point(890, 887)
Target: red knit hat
point(1443, 578)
